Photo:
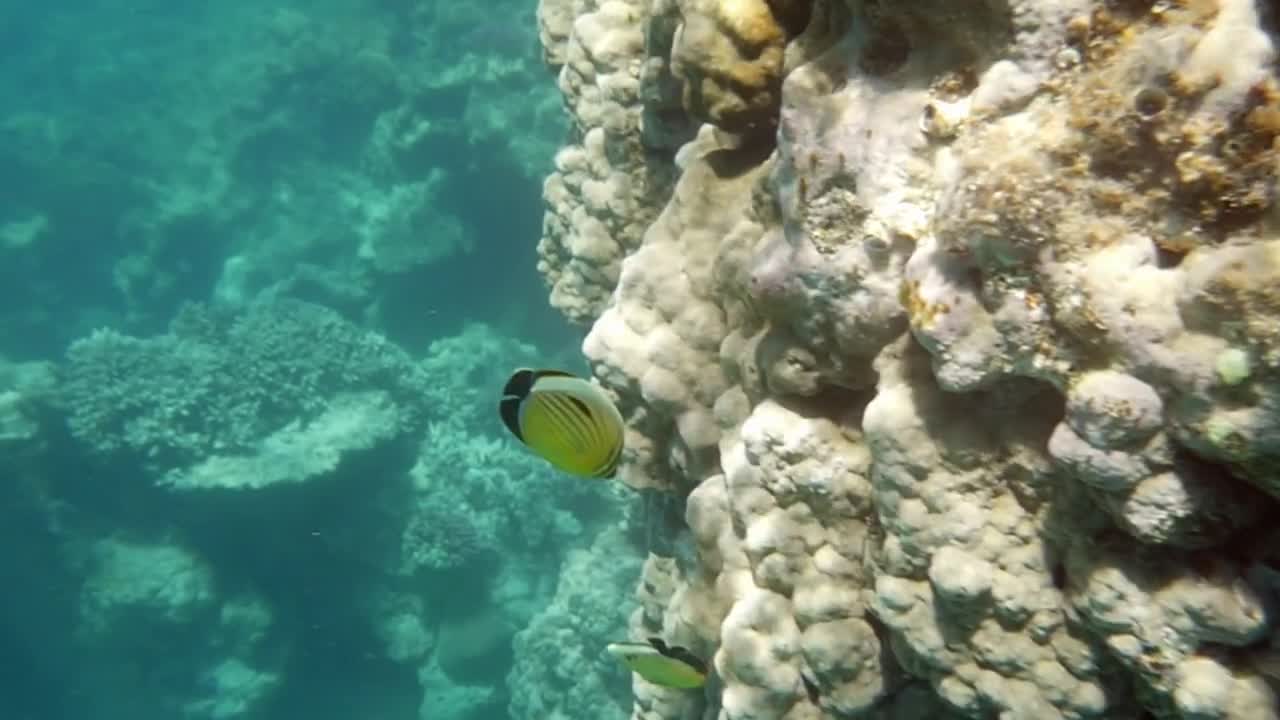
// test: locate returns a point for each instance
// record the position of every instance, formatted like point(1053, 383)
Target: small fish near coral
point(565, 419)
point(661, 664)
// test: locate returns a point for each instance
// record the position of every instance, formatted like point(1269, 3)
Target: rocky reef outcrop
point(955, 325)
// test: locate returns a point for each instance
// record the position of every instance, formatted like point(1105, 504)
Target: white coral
point(972, 368)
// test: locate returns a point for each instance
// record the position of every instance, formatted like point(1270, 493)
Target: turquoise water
point(264, 267)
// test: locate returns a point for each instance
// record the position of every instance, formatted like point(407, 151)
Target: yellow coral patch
point(920, 312)
point(750, 21)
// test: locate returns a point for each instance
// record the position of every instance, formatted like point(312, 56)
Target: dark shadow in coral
point(730, 163)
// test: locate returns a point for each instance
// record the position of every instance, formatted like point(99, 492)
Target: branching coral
point(440, 537)
point(218, 382)
point(504, 495)
point(405, 227)
point(561, 670)
point(353, 423)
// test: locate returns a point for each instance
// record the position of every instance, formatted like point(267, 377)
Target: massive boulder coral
point(967, 565)
point(729, 55)
point(999, 309)
point(800, 491)
point(658, 345)
point(612, 180)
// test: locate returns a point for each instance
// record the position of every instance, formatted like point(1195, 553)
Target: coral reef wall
point(957, 326)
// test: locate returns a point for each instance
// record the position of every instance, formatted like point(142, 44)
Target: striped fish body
point(565, 419)
point(665, 669)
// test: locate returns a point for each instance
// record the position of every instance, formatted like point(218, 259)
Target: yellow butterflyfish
point(565, 419)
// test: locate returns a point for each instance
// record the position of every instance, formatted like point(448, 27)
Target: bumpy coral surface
point(610, 183)
point(561, 671)
point(970, 372)
point(217, 383)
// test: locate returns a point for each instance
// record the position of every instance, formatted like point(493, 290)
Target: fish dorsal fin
point(546, 373)
point(589, 398)
point(676, 652)
point(562, 383)
point(523, 380)
point(519, 383)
